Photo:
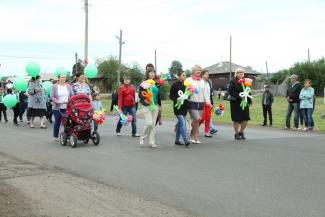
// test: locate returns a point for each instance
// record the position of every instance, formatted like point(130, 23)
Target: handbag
point(229, 97)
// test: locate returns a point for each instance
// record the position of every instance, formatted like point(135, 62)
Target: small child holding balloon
point(97, 106)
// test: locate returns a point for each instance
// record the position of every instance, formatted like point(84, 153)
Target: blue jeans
point(211, 124)
point(307, 113)
point(128, 110)
point(57, 121)
point(293, 107)
point(181, 129)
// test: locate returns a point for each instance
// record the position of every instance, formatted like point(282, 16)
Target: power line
point(25, 57)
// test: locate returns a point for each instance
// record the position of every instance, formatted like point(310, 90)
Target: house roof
point(223, 67)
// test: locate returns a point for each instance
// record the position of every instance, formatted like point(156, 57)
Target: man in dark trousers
point(267, 101)
point(293, 93)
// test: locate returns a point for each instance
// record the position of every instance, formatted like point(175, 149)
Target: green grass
point(279, 110)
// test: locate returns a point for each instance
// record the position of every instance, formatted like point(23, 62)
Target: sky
point(190, 31)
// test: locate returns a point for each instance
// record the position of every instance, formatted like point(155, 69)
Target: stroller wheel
point(73, 141)
point(63, 139)
point(95, 137)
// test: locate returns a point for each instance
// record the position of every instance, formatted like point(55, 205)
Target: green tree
point(188, 72)
point(136, 74)
point(175, 66)
point(108, 68)
point(315, 71)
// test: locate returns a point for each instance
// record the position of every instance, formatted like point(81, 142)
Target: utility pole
point(156, 61)
point(86, 31)
point(76, 56)
point(308, 56)
point(267, 71)
point(230, 70)
point(121, 42)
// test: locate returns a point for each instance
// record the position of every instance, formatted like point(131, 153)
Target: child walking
point(98, 106)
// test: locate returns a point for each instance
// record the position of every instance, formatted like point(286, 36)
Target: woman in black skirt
point(37, 101)
point(238, 116)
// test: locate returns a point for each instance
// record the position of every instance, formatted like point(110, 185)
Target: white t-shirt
point(63, 96)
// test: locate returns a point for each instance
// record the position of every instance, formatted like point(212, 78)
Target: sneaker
point(286, 128)
point(141, 141)
point(305, 129)
point(136, 135)
point(153, 146)
point(213, 131)
point(178, 143)
point(188, 145)
point(118, 134)
point(299, 128)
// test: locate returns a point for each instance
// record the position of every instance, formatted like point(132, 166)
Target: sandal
point(43, 127)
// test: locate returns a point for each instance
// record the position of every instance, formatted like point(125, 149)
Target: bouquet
point(99, 117)
point(147, 94)
point(162, 78)
point(246, 84)
point(219, 110)
point(124, 119)
point(182, 96)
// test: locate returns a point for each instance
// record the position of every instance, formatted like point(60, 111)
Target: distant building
point(220, 72)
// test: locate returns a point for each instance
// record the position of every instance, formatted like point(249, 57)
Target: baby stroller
point(77, 122)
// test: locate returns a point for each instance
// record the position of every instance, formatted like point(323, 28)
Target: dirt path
point(28, 190)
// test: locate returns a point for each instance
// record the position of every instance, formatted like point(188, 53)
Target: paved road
point(273, 173)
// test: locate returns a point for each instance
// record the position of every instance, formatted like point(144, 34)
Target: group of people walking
point(199, 104)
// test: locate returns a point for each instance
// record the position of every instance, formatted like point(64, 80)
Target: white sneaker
point(141, 141)
point(119, 134)
point(153, 146)
point(305, 129)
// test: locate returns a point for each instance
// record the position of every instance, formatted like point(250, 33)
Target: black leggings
point(3, 110)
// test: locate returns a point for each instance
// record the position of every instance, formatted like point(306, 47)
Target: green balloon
point(59, 71)
point(48, 87)
point(90, 71)
point(20, 84)
point(33, 69)
point(10, 100)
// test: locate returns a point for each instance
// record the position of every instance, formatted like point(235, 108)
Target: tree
point(136, 74)
point(108, 68)
point(315, 71)
point(175, 66)
point(77, 67)
point(188, 72)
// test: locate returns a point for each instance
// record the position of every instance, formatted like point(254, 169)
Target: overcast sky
point(191, 31)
